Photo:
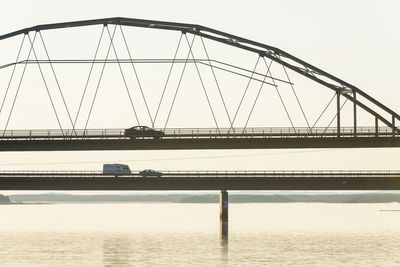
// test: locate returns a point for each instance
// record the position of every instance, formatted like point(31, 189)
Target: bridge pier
point(223, 205)
point(223, 215)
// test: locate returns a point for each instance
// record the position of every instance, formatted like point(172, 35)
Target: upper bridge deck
point(198, 138)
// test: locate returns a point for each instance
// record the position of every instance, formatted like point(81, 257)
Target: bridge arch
point(341, 87)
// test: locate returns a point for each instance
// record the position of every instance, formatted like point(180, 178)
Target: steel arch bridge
point(229, 137)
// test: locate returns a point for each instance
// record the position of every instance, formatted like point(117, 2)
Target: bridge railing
point(285, 173)
point(211, 174)
point(193, 133)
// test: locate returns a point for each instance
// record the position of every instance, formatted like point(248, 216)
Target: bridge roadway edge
point(201, 143)
point(200, 183)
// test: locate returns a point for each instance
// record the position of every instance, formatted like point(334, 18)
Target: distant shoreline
point(30, 199)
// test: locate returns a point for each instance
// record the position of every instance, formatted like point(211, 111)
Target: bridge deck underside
point(203, 143)
point(201, 183)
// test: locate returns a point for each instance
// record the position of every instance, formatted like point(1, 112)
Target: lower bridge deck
point(203, 180)
point(203, 143)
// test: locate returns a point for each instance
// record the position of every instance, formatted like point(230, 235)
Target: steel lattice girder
point(273, 53)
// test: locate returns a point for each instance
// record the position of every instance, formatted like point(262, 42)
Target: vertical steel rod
point(338, 113)
point(355, 112)
point(376, 127)
point(394, 126)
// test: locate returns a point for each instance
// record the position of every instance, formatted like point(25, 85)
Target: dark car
point(143, 131)
point(150, 173)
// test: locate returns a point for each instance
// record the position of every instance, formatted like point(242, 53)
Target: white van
point(116, 169)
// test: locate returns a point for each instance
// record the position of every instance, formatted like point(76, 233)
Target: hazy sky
point(357, 41)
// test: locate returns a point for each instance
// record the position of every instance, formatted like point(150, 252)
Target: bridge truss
point(267, 55)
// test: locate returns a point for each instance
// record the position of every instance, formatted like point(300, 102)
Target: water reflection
point(223, 237)
point(223, 232)
point(125, 250)
point(199, 249)
point(116, 251)
point(184, 235)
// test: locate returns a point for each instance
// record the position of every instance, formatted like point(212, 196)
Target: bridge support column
point(338, 113)
point(223, 205)
point(376, 127)
point(223, 215)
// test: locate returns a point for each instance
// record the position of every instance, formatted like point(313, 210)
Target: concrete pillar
point(223, 216)
point(223, 205)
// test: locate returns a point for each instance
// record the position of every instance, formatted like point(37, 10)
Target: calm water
point(188, 235)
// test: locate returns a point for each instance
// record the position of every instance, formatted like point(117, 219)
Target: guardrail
point(196, 133)
point(211, 173)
